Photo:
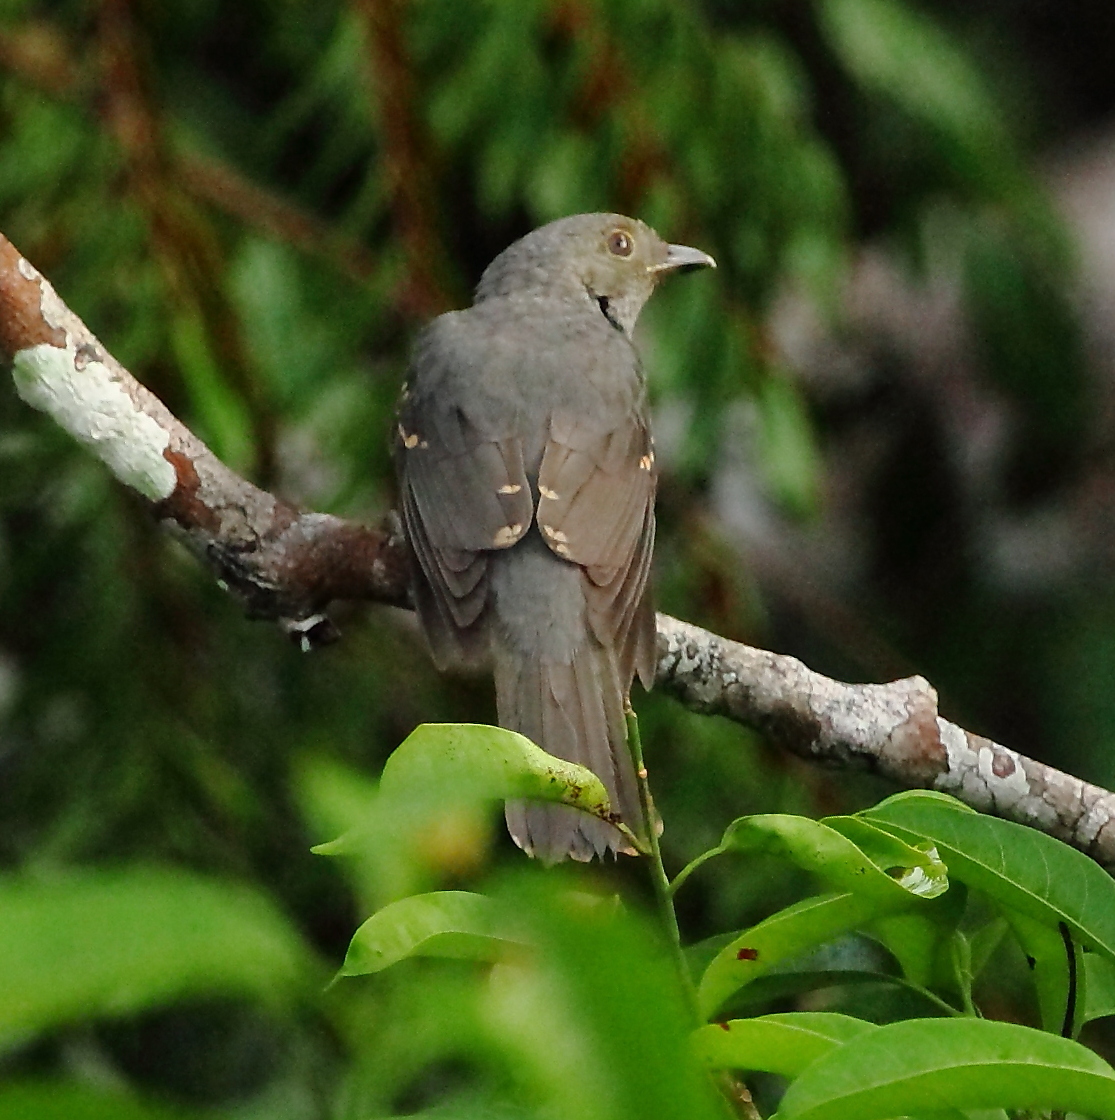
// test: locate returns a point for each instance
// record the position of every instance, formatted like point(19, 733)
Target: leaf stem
point(692, 866)
point(928, 996)
point(658, 872)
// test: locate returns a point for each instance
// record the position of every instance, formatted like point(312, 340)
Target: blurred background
point(887, 432)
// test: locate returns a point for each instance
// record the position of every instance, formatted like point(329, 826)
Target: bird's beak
point(681, 258)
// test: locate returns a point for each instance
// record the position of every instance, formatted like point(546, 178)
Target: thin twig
point(680, 878)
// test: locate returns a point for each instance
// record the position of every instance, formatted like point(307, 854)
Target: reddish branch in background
point(406, 158)
point(287, 565)
point(182, 240)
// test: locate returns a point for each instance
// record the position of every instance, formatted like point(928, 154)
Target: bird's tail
point(573, 710)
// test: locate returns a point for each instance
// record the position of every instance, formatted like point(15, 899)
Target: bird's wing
point(464, 492)
point(596, 508)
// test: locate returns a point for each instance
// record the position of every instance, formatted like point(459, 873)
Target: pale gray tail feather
point(573, 711)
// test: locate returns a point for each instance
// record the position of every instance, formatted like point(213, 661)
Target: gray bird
point(527, 477)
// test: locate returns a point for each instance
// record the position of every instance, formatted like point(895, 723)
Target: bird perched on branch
point(527, 478)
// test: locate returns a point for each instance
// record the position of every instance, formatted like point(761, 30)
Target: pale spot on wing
point(509, 488)
point(561, 549)
point(554, 534)
point(546, 492)
point(647, 461)
point(410, 440)
point(509, 534)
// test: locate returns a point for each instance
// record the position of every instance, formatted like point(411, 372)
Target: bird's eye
point(620, 243)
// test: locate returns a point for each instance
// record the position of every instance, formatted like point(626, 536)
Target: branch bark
point(287, 565)
point(892, 729)
point(284, 563)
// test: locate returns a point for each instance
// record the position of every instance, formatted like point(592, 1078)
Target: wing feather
point(596, 508)
point(464, 492)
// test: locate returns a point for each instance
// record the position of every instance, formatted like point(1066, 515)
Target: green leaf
point(840, 962)
point(473, 761)
point(787, 446)
point(783, 1044)
point(561, 179)
point(42, 1100)
point(1099, 988)
point(95, 943)
point(395, 857)
point(454, 764)
point(471, 1108)
point(984, 942)
point(915, 941)
point(925, 1065)
point(222, 415)
point(595, 1016)
point(893, 872)
point(918, 869)
point(789, 983)
point(441, 924)
point(784, 935)
point(955, 969)
point(916, 797)
point(1021, 868)
point(918, 938)
point(1057, 969)
point(430, 818)
point(896, 51)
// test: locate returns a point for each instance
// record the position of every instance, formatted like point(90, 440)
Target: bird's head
point(608, 259)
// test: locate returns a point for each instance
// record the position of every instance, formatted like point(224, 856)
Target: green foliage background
point(254, 206)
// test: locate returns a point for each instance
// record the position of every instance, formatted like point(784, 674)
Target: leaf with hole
point(892, 870)
point(1020, 868)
